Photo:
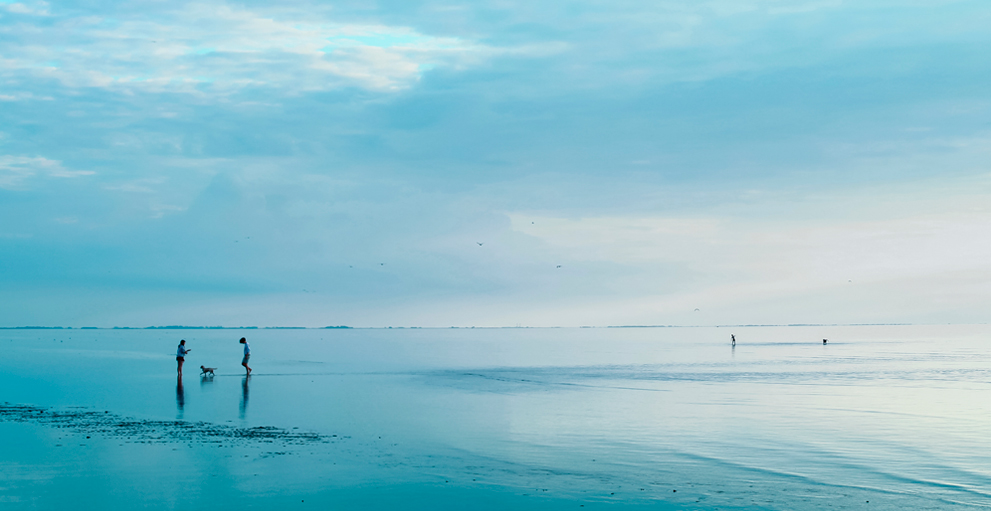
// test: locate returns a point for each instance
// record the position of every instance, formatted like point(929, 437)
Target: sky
point(494, 163)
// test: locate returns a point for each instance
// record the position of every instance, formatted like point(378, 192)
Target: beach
point(882, 417)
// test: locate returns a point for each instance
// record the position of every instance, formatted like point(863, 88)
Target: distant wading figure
point(732, 339)
point(180, 355)
point(247, 355)
point(824, 341)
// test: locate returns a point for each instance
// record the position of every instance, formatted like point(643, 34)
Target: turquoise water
point(883, 417)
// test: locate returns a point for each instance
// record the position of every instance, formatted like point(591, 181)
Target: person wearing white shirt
point(247, 355)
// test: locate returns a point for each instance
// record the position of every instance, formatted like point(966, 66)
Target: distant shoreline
point(342, 327)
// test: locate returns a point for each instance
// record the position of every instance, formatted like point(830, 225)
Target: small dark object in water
point(824, 341)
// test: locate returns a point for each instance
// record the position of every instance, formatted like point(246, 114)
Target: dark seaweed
point(154, 431)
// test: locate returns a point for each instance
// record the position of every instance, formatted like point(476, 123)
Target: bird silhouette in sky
point(479, 243)
point(381, 264)
point(559, 266)
point(696, 309)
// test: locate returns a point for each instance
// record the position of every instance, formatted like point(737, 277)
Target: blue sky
point(315, 164)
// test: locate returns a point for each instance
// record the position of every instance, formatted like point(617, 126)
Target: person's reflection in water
point(244, 395)
point(180, 397)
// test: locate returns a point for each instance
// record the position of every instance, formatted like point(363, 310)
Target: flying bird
point(559, 266)
point(696, 309)
point(479, 243)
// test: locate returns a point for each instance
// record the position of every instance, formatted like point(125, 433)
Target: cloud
point(206, 48)
point(15, 171)
point(38, 9)
point(766, 251)
point(24, 96)
point(911, 253)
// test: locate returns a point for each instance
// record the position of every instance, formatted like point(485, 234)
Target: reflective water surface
point(888, 417)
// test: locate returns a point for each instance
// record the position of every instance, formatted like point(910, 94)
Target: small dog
point(207, 370)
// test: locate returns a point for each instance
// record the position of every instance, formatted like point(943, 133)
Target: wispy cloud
point(24, 96)
point(205, 48)
point(32, 9)
point(15, 171)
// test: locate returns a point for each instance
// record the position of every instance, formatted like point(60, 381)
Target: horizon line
point(344, 327)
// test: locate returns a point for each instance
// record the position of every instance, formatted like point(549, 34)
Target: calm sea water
point(883, 417)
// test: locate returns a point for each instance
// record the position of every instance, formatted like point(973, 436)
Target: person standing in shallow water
point(247, 355)
point(180, 355)
point(732, 339)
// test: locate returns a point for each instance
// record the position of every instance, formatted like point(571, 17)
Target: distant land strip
point(343, 327)
point(173, 327)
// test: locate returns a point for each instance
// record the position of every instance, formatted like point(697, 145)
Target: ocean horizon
point(201, 327)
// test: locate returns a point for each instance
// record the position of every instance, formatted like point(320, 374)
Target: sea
point(881, 417)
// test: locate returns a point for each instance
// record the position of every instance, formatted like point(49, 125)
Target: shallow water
point(883, 417)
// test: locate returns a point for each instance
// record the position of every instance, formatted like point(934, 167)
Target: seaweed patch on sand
point(155, 431)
